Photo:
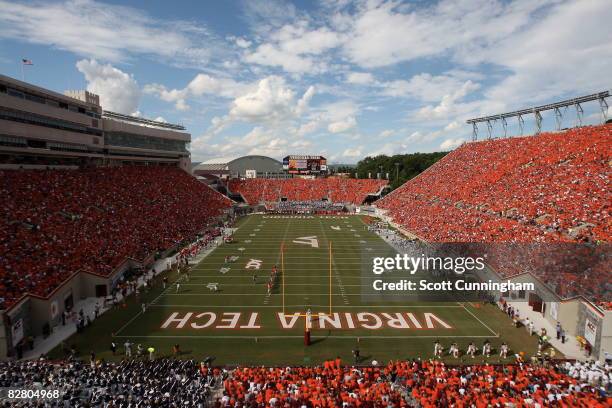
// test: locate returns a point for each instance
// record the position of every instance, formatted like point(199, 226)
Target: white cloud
point(308, 127)
point(294, 47)
point(452, 126)
point(201, 84)
point(342, 125)
point(118, 91)
point(101, 30)
point(424, 86)
point(271, 101)
point(385, 33)
point(538, 74)
point(450, 144)
point(360, 78)
point(243, 43)
point(448, 106)
point(386, 133)
point(353, 152)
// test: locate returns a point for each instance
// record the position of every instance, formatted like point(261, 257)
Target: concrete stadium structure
point(252, 166)
point(42, 127)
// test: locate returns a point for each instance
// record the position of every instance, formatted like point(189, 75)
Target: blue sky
point(344, 79)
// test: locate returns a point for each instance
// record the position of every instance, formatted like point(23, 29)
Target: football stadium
point(146, 266)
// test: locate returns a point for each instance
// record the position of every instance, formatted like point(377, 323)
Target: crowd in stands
point(330, 385)
point(303, 207)
point(550, 189)
point(129, 383)
point(569, 269)
point(420, 384)
point(546, 188)
point(334, 189)
point(166, 382)
point(57, 222)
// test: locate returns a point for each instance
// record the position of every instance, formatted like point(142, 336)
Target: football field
point(225, 309)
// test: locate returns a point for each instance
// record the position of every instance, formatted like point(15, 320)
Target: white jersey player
point(486, 349)
point(454, 350)
point(503, 351)
point(437, 349)
point(471, 350)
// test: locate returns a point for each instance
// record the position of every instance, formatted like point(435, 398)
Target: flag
point(26, 61)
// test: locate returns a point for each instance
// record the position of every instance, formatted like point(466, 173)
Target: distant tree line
point(401, 167)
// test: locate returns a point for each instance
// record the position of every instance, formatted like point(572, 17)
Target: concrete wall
point(112, 125)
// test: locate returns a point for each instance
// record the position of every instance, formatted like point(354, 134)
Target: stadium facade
point(40, 126)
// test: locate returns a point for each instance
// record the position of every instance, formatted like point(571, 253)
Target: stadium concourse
point(335, 189)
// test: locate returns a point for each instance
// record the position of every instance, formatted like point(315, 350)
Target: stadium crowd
point(57, 222)
point(553, 187)
point(420, 383)
point(302, 207)
point(129, 383)
point(335, 189)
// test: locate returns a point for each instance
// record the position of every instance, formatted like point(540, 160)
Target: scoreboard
point(296, 164)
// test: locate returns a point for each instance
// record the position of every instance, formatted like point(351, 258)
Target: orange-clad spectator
point(57, 222)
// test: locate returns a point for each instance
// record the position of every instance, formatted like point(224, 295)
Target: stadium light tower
point(536, 111)
point(604, 108)
point(579, 114)
point(538, 118)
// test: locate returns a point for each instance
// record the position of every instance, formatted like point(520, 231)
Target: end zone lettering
point(344, 320)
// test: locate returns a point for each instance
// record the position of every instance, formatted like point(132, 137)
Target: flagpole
point(22, 77)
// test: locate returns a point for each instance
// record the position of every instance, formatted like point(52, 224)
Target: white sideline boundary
point(321, 306)
point(314, 337)
point(480, 321)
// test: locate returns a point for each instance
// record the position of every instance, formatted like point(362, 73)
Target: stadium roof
point(211, 167)
point(218, 160)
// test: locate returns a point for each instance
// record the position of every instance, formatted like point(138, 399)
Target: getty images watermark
point(428, 274)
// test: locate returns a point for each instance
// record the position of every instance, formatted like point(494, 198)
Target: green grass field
point(242, 324)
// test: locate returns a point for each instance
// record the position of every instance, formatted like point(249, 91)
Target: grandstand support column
point(538, 118)
point(521, 123)
point(505, 125)
point(604, 109)
point(558, 118)
point(489, 129)
point(579, 115)
point(474, 132)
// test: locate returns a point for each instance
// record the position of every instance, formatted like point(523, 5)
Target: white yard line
point(481, 322)
point(333, 261)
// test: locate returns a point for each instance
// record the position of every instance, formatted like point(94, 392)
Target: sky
point(343, 79)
